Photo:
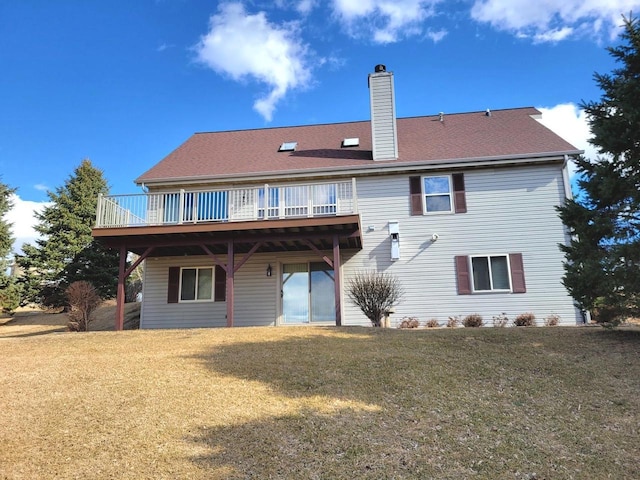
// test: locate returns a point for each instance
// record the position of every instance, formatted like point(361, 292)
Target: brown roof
point(506, 133)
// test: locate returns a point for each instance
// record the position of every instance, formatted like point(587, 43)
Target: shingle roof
point(505, 133)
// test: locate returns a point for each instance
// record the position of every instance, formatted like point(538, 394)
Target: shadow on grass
point(442, 404)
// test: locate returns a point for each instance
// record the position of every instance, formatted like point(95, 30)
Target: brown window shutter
point(415, 194)
point(174, 285)
point(517, 273)
point(459, 196)
point(220, 288)
point(463, 276)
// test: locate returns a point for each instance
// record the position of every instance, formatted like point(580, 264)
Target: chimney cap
point(380, 68)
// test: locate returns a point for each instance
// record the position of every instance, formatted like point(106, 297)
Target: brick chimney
point(384, 136)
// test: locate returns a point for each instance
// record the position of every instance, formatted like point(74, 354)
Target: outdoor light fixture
point(269, 271)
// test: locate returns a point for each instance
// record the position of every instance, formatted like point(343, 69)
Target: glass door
point(308, 293)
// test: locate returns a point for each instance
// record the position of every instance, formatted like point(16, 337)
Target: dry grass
point(335, 403)
point(34, 321)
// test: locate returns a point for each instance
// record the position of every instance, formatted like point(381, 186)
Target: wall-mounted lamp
point(269, 271)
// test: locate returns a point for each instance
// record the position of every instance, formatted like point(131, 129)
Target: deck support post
point(230, 272)
point(337, 279)
point(120, 290)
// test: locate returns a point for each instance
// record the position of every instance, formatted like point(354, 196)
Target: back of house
point(270, 226)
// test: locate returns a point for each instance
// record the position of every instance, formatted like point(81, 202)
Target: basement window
point(351, 142)
point(288, 147)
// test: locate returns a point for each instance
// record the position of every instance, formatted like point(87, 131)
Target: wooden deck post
point(337, 280)
point(120, 290)
point(230, 272)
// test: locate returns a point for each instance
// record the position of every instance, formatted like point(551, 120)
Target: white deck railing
point(227, 205)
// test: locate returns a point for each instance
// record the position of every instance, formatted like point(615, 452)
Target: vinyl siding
point(257, 297)
point(509, 211)
point(383, 127)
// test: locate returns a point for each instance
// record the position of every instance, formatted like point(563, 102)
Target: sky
point(124, 82)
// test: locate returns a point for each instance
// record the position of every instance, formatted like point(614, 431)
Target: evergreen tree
point(6, 237)
point(9, 293)
point(66, 251)
point(602, 271)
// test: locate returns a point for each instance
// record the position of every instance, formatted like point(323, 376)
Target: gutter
point(393, 166)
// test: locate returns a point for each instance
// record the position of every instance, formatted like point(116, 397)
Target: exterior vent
point(351, 142)
point(384, 136)
point(288, 147)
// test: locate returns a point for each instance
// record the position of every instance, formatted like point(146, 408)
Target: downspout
point(565, 178)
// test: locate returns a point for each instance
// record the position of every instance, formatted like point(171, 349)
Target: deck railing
point(227, 205)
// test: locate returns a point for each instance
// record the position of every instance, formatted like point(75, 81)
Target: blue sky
point(125, 82)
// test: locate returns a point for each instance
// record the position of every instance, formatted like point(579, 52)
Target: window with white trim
point(196, 284)
point(490, 273)
point(437, 194)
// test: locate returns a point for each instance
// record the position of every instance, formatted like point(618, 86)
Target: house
point(268, 226)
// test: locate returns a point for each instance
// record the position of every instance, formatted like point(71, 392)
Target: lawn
point(514, 403)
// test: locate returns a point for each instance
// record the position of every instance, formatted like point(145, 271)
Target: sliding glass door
point(308, 293)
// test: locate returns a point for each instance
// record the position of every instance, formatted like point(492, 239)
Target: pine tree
point(6, 237)
point(9, 293)
point(66, 251)
point(602, 271)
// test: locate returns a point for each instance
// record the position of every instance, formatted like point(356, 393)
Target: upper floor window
point(437, 194)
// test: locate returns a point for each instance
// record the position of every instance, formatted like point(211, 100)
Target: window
point(490, 273)
point(196, 284)
point(437, 194)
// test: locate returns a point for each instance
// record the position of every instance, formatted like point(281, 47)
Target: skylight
point(288, 147)
point(351, 142)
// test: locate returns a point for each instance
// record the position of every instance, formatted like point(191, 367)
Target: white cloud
point(304, 7)
point(436, 35)
point(243, 46)
point(552, 21)
point(41, 186)
point(22, 216)
point(384, 21)
point(570, 122)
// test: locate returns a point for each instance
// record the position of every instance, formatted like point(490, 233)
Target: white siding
point(509, 211)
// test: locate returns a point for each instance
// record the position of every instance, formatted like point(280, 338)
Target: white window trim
point(493, 290)
point(213, 284)
point(424, 195)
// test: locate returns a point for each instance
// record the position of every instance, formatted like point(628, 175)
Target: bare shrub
point(525, 320)
point(409, 322)
point(432, 323)
point(551, 320)
point(375, 294)
point(83, 299)
point(500, 320)
point(474, 320)
point(453, 321)
point(132, 290)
